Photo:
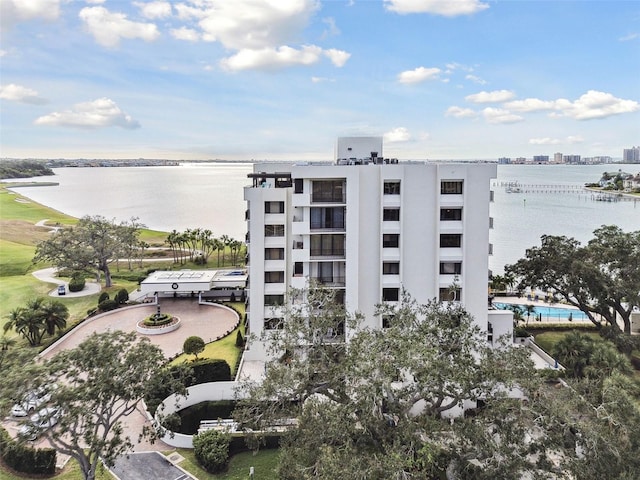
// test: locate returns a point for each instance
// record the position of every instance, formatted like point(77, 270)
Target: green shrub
point(211, 370)
point(156, 320)
point(122, 296)
point(211, 449)
point(103, 296)
point(193, 345)
point(107, 305)
point(190, 417)
point(77, 282)
point(25, 459)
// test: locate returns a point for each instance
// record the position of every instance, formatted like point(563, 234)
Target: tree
point(38, 317)
point(193, 346)
point(601, 278)
point(377, 406)
point(91, 245)
point(528, 310)
point(211, 449)
point(100, 382)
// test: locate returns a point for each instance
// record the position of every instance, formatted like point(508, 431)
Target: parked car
point(44, 419)
point(32, 400)
point(62, 290)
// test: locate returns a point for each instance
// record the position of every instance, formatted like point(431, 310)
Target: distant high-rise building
point(557, 157)
point(572, 159)
point(631, 155)
point(504, 160)
point(541, 159)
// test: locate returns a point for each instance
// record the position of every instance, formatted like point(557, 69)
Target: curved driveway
point(48, 275)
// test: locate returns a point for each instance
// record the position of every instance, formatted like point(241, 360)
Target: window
point(390, 294)
point(450, 295)
point(391, 268)
point(273, 207)
point(298, 185)
point(274, 230)
point(391, 215)
point(297, 269)
point(387, 320)
point(328, 191)
point(274, 253)
point(390, 240)
point(391, 187)
point(327, 245)
point(273, 323)
point(450, 268)
point(273, 277)
point(451, 187)
point(448, 214)
point(450, 240)
point(327, 218)
point(273, 300)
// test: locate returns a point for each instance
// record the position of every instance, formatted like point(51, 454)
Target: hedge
point(25, 459)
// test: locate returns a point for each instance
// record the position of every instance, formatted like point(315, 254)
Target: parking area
point(148, 466)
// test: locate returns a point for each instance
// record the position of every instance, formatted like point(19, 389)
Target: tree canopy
point(91, 245)
point(100, 382)
point(37, 318)
point(601, 278)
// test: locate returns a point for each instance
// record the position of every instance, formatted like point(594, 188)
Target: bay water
point(210, 195)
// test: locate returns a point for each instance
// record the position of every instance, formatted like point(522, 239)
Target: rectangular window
point(328, 191)
point(450, 240)
point(274, 253)
point(273, 277)
point(391, 268)
point(391, 215)
point(387, 321)
point(274, 230)
point(450, 268)
point(450, 295)
point(273, 323)
point(390, 240)
point(391, 187)
point(448, 214)
point(273, 300)
point(390, 294)
point(451, 187)
point(327, 245)
point(273, 207)
point(298, 185)
point(297, 269)
point(327, 218)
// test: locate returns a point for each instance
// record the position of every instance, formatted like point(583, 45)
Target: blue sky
point(282, 79)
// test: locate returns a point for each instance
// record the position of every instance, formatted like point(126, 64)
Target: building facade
point(368, 228)
point(631, 155)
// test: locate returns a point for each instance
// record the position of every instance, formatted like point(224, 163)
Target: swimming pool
point(548, 313)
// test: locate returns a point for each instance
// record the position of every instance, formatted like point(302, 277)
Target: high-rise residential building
point(631, 155)
point(540, 158)
point(369, 227)
point(557, 157)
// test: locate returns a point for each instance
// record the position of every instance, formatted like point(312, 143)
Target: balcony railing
point(330, 281)
point(327, 252)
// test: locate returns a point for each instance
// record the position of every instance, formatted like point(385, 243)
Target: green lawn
point(548, 340)
point(264, 464)
point(16, 207)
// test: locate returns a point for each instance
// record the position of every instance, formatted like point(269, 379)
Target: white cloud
point(184, 33)
point(251, 25)
point(3, 53)
point(332, 30)
point(530, 105)
point(418, 75)
point(628, 38)
point(476, 79)
point(102, 112)
point(446, 8)
point(595, 104)
point(153, 10)
point(398, 134)
point(572, 139)
point(108, 28)
point(490, 97)
point(321, 79)
point(499, 115)
point(272, 58)
point(18, 93)
point(459, 112)
point(14, 11)
point(337, 57)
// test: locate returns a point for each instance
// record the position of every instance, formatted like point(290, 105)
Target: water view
point(211, 195)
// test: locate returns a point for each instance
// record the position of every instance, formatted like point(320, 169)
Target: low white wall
point(204, 392)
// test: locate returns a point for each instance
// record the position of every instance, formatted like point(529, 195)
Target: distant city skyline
point(243, 80)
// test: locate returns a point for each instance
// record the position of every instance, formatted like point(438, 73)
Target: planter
point(159, 330)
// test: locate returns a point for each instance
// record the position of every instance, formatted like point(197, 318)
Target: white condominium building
point(368, 227)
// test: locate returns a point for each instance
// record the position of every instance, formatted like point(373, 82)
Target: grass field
point(548, 340)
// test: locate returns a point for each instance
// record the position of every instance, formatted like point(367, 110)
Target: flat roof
point(184, 276)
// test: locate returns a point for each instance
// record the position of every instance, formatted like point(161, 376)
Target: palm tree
point(55, 316)
point(27, 322)
point(529, 309)
point(226, 241)
point(573, 352)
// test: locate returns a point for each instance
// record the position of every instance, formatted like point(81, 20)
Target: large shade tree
point(601, 278)
point(99, 383)
point(91, 245)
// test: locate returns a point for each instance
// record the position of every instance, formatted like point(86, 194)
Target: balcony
point(330, 280)
point(327, 252)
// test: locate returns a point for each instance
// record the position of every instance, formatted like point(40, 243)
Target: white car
point(32, 400)
point(44, 419)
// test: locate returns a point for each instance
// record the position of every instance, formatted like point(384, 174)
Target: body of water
point(210, 195)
